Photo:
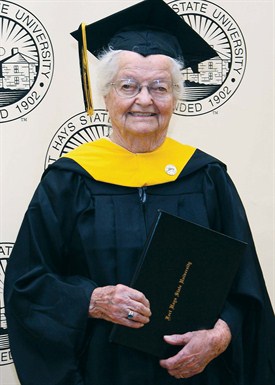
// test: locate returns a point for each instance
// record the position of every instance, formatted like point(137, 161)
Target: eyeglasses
point(158, 89)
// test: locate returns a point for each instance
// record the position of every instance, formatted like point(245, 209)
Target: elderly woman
point(67, 281)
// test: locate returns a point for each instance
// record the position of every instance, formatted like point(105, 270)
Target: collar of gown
point(108, 162)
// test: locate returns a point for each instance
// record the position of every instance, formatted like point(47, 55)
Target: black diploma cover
point(186, 272)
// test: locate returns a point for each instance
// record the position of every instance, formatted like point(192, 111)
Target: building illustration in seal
point(205, 78)
point(17, 75)
point(17, 71)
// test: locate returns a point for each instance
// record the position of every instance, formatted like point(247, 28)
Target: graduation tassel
point(84, 69)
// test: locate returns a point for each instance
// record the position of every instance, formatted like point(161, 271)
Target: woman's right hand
point(113, 303)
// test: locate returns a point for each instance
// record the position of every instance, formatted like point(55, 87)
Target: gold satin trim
point(108, 162)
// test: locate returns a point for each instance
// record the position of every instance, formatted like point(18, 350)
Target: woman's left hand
point(199, 348)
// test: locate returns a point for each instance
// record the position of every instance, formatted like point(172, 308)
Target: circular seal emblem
point(5, 353)
point(77, 130)
point(214, 81)
point(26, 61)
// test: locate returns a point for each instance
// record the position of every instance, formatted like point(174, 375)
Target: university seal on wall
point(26, 61)
point(5, 352)
point(211, 83)
point(77, 130)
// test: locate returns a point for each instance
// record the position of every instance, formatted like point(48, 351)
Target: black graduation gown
point(78, 234)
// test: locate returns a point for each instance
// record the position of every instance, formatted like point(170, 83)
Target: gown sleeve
point(248, 310)
point(46, 303)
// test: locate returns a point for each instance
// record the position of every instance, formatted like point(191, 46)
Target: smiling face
point(141, 119)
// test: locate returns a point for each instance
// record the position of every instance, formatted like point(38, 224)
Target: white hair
point(108, 66)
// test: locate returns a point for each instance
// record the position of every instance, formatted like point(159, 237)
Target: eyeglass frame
point(140, 86)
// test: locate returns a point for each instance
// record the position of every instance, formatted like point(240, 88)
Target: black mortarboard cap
point(149, 27)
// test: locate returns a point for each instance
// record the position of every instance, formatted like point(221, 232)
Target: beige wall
point(240, 131)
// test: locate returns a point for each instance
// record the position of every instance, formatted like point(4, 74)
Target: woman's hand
point(200, 347)
point(113, 303)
